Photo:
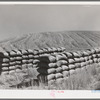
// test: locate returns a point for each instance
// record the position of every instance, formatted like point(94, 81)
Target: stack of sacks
point(93, 53)
point(90, 58)
point(36, 58)
point(36, 53)
point(46, 68)
point(35, 63)
point(77, 60)
point(24, 59)
point(94, 56)
point(18, 61)
point(12, 63)
point(62, 67)
point(97, 52)
point(30, 58)
point(15, 65)
point(4, 62)
point(71, 62)
point(98, 55)
point(85, 61)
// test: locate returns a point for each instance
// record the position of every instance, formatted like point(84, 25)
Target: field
point(71, 40)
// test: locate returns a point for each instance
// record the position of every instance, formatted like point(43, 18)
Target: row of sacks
point(16, 68)
point(50, 65)
point(70, 63)
point(24, 53)
point(25, 56)
point(63, 59)
point(87, 52)
point(18, 60)
point(17, 55)
point(61, 65)
point(52, 61)
point(49, 50)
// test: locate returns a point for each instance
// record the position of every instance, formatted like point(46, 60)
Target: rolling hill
point(71, 40)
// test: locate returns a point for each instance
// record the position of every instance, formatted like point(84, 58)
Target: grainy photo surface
point(50, 47)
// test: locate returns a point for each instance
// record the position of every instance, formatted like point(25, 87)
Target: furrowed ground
point(71, 40)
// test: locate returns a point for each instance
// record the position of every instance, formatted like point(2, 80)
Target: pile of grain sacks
point(49, 64)
point(59, 66)
point(4, 62)
point(15, 61)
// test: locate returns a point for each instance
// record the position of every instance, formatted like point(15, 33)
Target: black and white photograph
point(49, 47)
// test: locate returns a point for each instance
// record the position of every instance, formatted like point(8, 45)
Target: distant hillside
point(71, 40)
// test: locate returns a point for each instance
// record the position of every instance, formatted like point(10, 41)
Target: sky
point(24, 19)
